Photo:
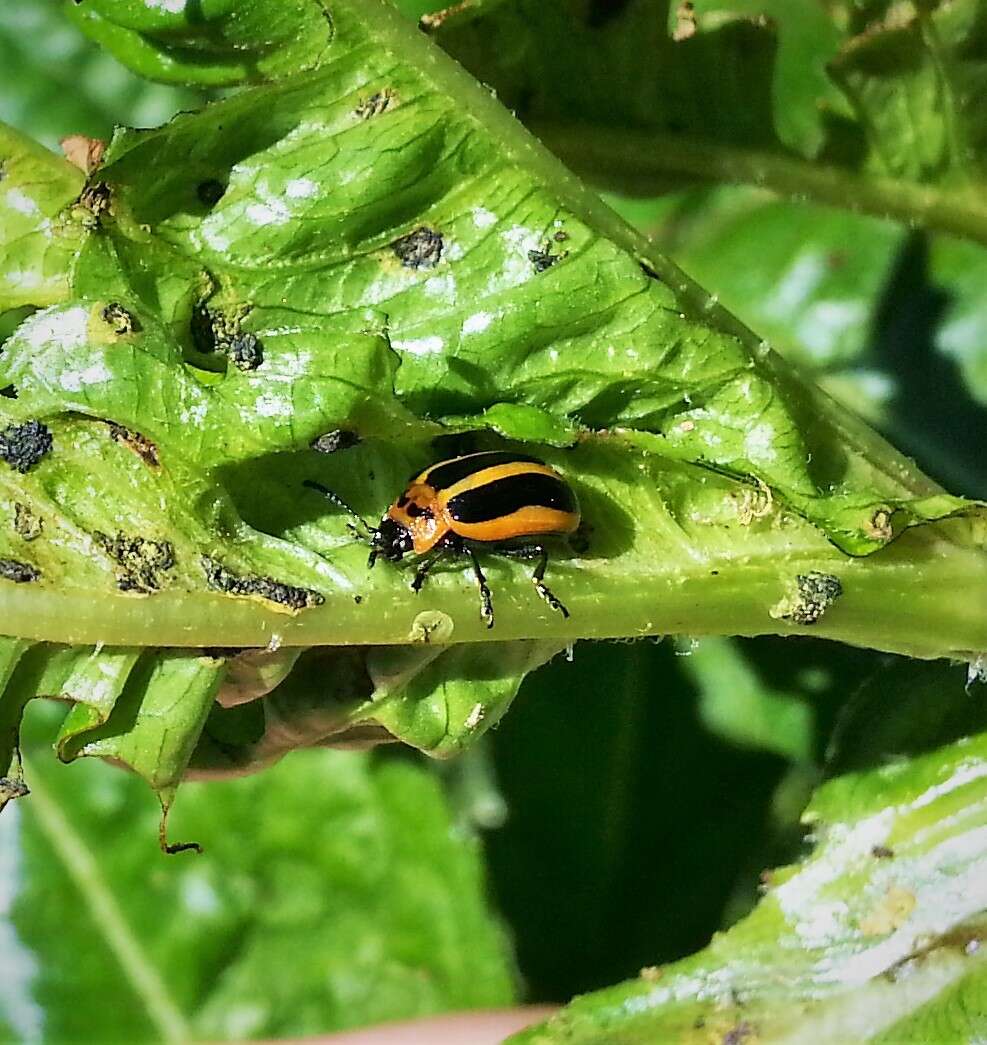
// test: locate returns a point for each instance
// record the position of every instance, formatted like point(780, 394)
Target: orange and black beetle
point(497, 499)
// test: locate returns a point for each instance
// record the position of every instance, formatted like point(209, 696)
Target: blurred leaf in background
point(55, 82)
point(335, 891)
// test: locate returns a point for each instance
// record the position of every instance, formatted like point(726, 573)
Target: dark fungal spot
point(221, 579)
point(881, 852)
point(18, 572)
point(11, 788)
point(542, 260)
point(141, 445)
point(214, 330)
point(121, 321)
point(420, 249)
point(375, 104)
point(96, 200)
point(210, 191)
point(815, 593)
point(22, 446)
point(334, 441)
point(245, 352)
point(27, 525)
point(8, 392)
point(560, 236)
point(358, 599)
point(140, 561)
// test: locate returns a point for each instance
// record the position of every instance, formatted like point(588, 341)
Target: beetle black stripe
point(448, 473)
point(505, 496)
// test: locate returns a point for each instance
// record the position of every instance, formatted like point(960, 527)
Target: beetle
point(496, 499)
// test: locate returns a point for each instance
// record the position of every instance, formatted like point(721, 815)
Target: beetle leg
point(423, 569)
point(539, 552)
point(486, 599)
point(541, 587)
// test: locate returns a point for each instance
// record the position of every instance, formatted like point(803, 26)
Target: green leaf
point(221, 42)
point(332, 328)
point(370, 245)
point(860, 941)
point(37, 240)
point(348, 860)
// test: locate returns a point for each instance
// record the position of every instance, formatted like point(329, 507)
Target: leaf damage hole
point(221, 579)
point(23, 445)
point(18, 572)
point(420, 249)
point(140, 561)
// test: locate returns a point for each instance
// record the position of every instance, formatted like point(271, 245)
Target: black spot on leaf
point(224, 580)
point(245, 352)
point(22, 446)
point(141, 445)
point(122, 321)
point(140, 561)
point(18, 572)
point(332, 442)
point(420, 249)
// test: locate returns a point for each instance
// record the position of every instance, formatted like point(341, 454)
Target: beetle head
point(391, 540)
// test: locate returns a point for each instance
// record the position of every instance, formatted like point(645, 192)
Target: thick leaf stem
point(108, 919)
point(641, 162)
point(925, 595)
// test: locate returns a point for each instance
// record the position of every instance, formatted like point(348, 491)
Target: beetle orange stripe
point(526, 522)
point(492, 474)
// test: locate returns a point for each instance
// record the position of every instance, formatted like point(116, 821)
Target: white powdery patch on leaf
point(483, 218)
point(172, 7)
point(477, 323)
point(757, 443)
point(68, 328)
point(422, 346)
point(301, 188)
point(20, 202)
point(76, 380)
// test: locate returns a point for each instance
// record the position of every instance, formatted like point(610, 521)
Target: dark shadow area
point(628, 821)
point(933, 418)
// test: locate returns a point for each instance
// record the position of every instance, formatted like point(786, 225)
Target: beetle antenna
point(335, 499)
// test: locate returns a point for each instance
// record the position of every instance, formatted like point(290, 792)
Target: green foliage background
point(625, 808)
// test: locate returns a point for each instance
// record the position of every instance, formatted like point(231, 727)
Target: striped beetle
point(496, 499)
